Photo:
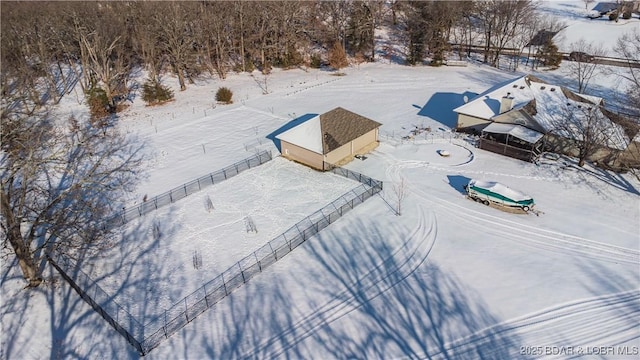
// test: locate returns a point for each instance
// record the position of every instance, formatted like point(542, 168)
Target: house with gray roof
point(522, 117)
point(329, 139)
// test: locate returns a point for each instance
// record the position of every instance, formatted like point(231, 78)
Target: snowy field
point(449, 279)
point(273, 197)
point(601, 31)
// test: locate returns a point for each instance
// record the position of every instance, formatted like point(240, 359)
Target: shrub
point(338, 57)
point(98, 102)
point(316, 61)
point(153, 92)
point(224, 95)
point(613, 16)
point(290, 59)
point(248, 64)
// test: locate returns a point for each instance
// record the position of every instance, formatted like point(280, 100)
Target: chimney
point(506, 103)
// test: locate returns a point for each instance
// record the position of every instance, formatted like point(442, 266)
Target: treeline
point(103, 42)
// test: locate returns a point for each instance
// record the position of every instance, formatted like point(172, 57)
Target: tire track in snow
point(601, 320)
point(541, 238)
point(348, 300)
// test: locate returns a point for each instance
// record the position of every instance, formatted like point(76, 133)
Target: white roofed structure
point(307, 135)
point(518, 131)
point(530, 109)
point(329, 139)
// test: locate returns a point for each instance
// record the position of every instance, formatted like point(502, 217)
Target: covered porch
point(512, 140)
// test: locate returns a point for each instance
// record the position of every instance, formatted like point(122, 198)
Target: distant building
point(604, 8)
point(541, 38)
point(329, 139)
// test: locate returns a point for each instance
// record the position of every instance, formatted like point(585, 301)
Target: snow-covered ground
point(448, 279)
point(271, 197)
point(600, 32)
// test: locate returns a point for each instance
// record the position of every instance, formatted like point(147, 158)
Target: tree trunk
point(178, 68)
point(23, 252)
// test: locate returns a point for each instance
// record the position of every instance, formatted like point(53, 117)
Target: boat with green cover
point(492, 192)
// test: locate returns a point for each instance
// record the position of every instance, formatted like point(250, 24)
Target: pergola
point(512, 140)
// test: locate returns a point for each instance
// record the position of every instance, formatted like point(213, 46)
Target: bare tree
point(400, 191)
point(29, 50)
point(414, 23)
point(582, 130)
point(587, 2)
point(107, 64)
point(58, 186)
point(500, 21)
point(464, 33)
point(147, 41)
point(583, 66)
point(176, 36)
point(336, 15)
point(240, 20)
point(364, 19)
point(217, 42)
point(628, 48)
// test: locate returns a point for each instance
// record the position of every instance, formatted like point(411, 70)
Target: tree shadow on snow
point(592, 176)
point(419, 312)
point(291, 124)
point(14, 308)
point(77, 329)
point(396, 305)
point(615, 290)
point(239, 325)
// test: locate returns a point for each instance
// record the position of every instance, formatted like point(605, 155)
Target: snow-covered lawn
point(273, 196)
point(601, 32)
point(450, 278)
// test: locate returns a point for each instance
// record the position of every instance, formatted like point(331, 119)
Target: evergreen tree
point(549, 54)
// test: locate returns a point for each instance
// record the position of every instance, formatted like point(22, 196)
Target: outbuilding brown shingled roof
point(340, 126)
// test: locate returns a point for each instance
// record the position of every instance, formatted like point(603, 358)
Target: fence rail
point(507, 150)
point(119, 318)
point(187, 309)
point(148, 336)
point(189, 188)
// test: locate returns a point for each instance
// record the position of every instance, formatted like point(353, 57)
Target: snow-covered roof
point(327, 132)
point(603, 7)
point(569, 115)
point(521, 132)
point(307, 135)
point(487, 104)
point(552, 107)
